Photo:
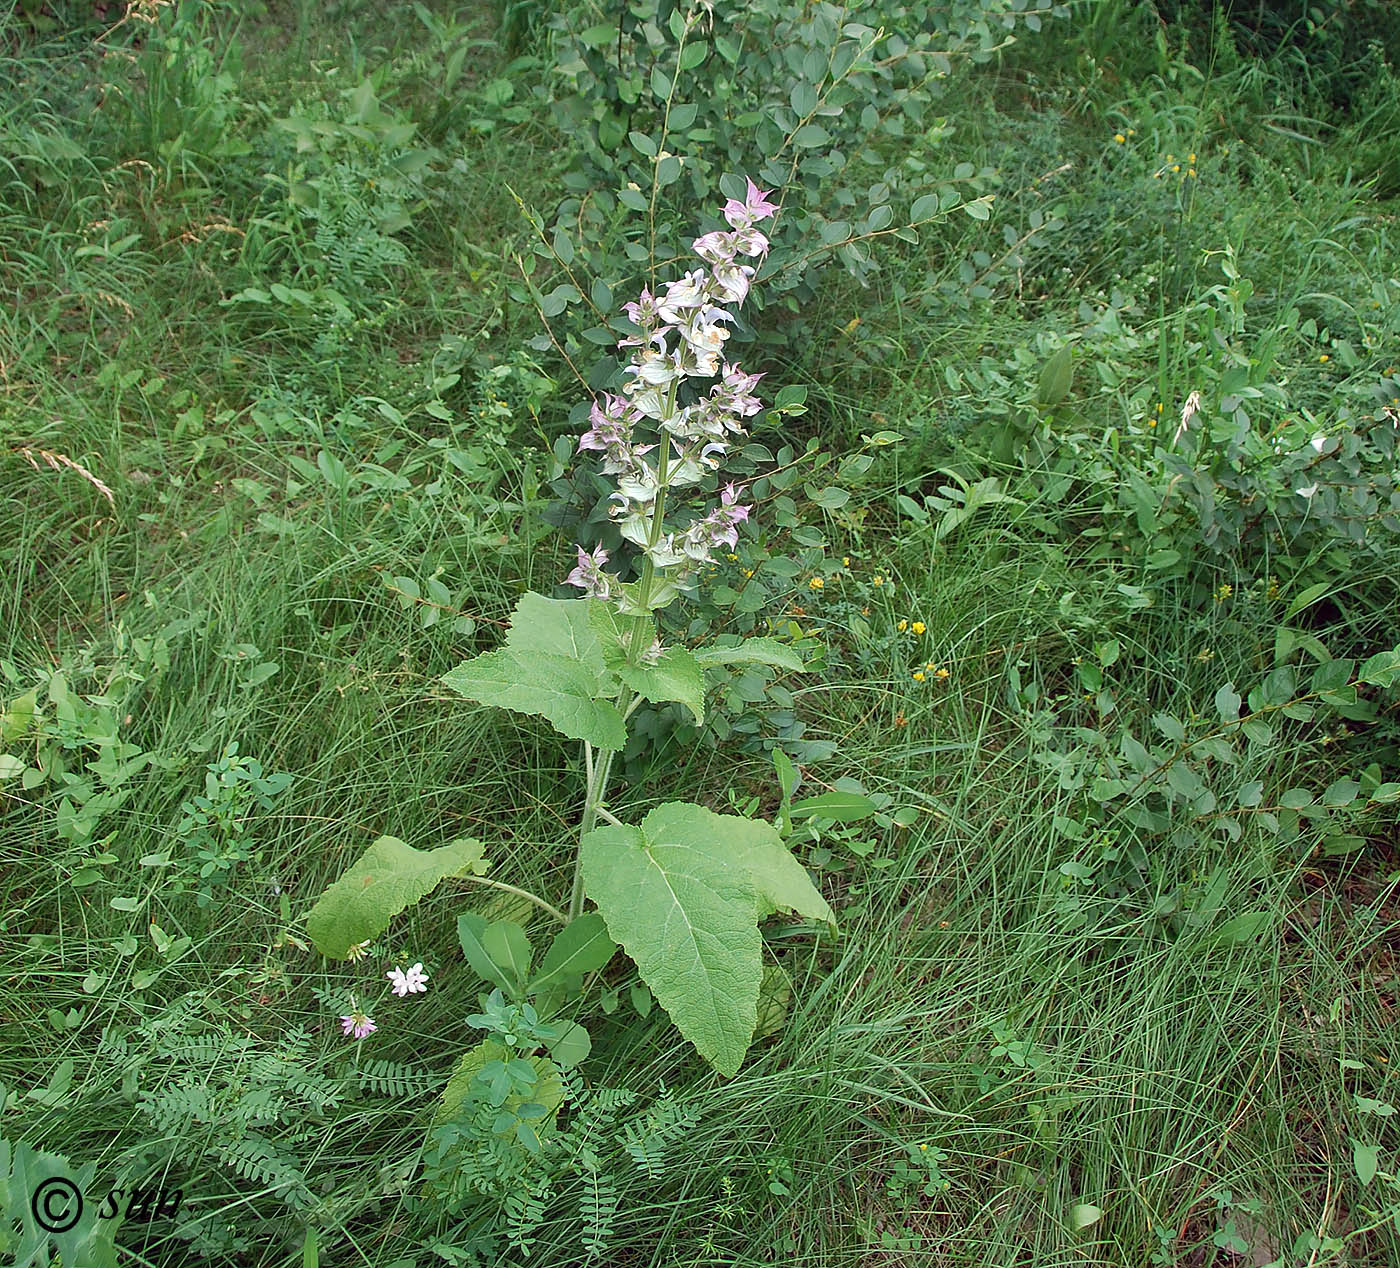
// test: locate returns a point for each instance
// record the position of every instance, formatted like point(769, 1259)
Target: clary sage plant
point(682, 891)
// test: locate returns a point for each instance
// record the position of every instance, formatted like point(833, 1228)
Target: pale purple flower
point(689, 292)
point(755, 206)
point(642, 311)
point(719, 528)
point(715, 248)
point(681, 333)
point(751, 242)
point(730, 282)
point(656, 367)
point(589, 575)
point(412, 982)
point(357, 1024)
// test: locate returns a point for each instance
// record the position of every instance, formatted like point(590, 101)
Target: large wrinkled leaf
point(388, 877)
point(683, 893)
point(557, 688)
point(559, 627)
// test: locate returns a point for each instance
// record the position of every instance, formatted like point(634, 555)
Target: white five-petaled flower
point(411, 982)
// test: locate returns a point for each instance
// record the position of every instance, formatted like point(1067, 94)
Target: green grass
point(1058, 1039)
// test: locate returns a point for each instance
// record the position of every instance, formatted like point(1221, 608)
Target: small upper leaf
point(676, 676)
point(753, 651)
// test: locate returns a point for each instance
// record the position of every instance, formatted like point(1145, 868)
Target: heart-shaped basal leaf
point(388, 877)
point(683, 893)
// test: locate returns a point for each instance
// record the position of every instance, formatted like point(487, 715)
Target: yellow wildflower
point(918, 675)
point(1224, 591)
point(918, 627)
point(1324, 357)
point(940, 673)
point(733, 559)
point(748, 572)
point(902, 626)
point(877, 581)
point(1119, 137)
point(816, 583)
point(845, 561)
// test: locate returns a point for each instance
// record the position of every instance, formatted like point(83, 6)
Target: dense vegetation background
point(1088, 535)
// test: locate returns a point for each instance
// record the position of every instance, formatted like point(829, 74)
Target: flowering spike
point(681, 334)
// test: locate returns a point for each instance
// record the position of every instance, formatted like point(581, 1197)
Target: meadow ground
point(283, 439)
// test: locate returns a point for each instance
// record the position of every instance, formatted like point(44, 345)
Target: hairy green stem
point(522, 893)
point(596, 772)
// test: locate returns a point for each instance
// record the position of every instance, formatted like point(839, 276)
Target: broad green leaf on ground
point(582, 946)
point(555, 687)
point(753, 651)
point(683, 893)
point(548, 1090)
point(676, 676)
point(388, 877)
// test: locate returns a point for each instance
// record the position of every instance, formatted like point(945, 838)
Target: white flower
point(415, 980)
point(1319, 442)
point(1306, 491)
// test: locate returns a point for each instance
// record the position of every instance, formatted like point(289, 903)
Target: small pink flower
point(357, 1024)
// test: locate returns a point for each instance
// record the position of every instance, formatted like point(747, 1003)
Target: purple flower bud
point(589, 575)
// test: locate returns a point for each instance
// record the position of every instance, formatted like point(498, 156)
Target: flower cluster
point(680, 335)
point(357, 1023)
